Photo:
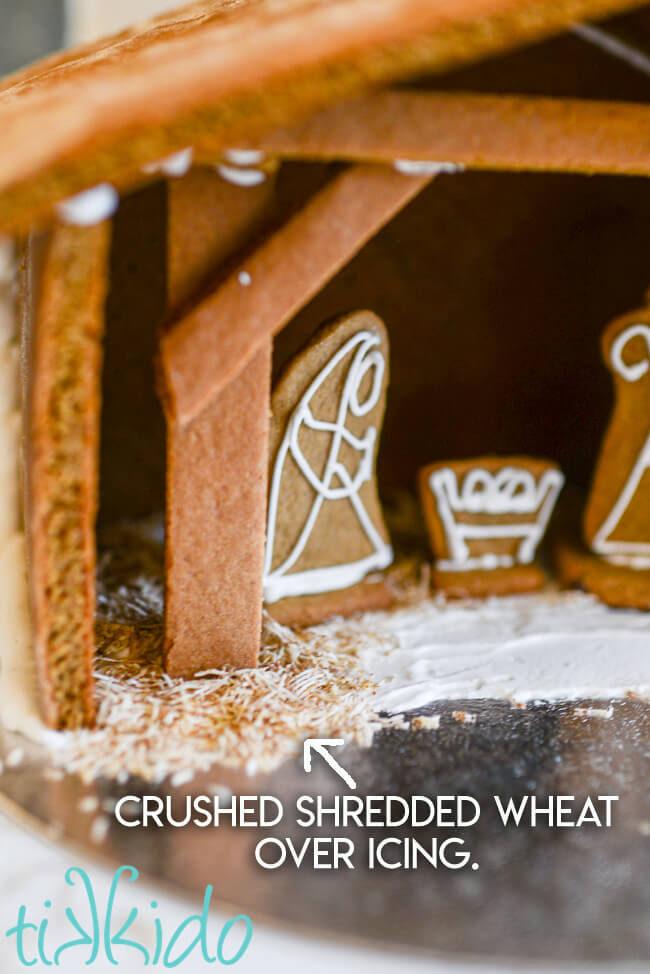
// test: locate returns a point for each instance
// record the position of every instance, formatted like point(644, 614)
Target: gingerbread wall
point(495, 289)
point(170, 242)
point(132, 459)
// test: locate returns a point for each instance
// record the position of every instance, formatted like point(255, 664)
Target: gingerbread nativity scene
point(342, 294)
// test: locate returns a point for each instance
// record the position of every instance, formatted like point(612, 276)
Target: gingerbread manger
point(276, 259)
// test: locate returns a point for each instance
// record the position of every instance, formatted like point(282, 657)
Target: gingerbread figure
point(325, 529)
point(616, 523)
point(617, 518)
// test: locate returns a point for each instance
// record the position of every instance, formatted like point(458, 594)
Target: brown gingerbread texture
point(216, 74)
point(478, 131)
point(613, 558)
point(201, 352)
point(210, 78)
point(308, 610)
point(216, 464)
point(63, 285)
point(615, 585)
point(486, 518)
point(215, 392)
point(325, 526)
point(617, 515)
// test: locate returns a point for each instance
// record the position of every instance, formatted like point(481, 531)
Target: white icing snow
point(552, 646)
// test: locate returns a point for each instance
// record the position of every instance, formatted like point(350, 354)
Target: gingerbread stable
point(193, 200)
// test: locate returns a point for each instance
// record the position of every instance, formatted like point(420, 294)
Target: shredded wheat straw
point(308, 683)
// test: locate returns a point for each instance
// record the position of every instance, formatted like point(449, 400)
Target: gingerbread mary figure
point(617, 516)
point(325, 530)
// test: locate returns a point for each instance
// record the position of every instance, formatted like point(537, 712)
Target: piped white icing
point(280, 582)
point(175, 165)
point(631, 371)
point(634, 554)
point(426, 167)
point(241, 167)
point(244, 157)
point(511, 490)
point(241, 177)
point(90, 207)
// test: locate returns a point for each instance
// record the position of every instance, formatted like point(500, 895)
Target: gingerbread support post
point(215, 527)
point(216, 463)
point(215, 370)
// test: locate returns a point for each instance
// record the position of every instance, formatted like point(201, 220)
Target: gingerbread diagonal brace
point(512, 132)
point(209, 346)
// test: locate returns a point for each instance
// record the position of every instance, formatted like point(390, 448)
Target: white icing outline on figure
point(634, 554)
point(512, 490)
point(278, 584)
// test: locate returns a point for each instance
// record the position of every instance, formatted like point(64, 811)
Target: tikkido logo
point(101, 935)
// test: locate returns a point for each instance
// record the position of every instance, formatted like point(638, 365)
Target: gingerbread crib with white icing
point(486, 518)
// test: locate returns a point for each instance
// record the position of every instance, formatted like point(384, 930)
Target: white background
point(88, 19)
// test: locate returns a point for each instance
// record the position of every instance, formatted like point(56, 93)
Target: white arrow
point(320, 745)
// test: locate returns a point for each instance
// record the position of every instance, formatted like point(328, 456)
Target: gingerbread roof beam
point(208, 347)
point(217, 72)
point(476, 131)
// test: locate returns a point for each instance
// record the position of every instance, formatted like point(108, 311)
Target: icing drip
point(241, 177)
point(239, 167)
point(175, 165)
point(424, 167)
point(90, 207)
point(244, 157)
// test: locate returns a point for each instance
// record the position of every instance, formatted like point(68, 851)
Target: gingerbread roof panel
point(222, 72)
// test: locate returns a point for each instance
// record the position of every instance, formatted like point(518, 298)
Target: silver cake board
point(549, 895)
